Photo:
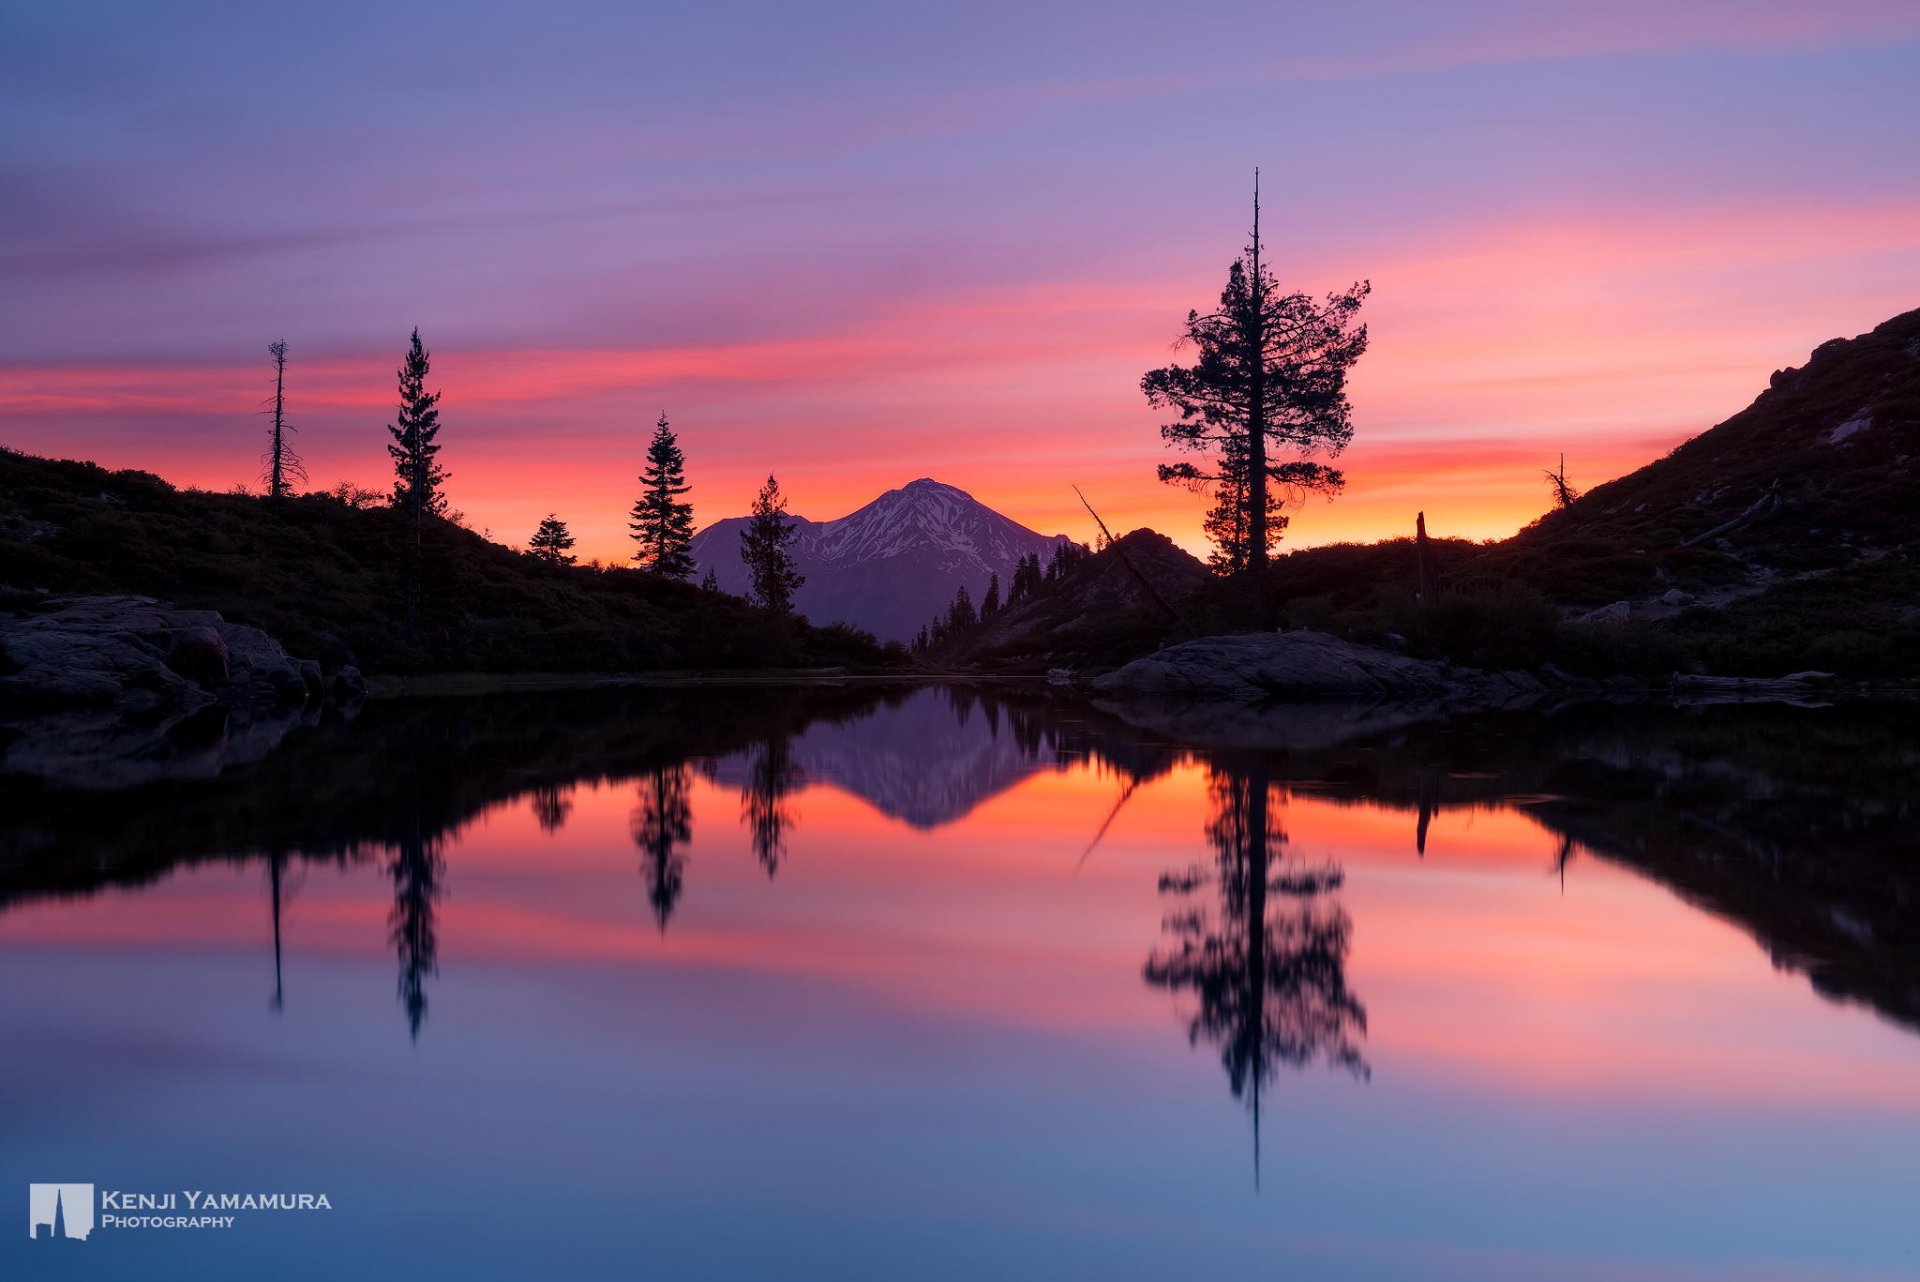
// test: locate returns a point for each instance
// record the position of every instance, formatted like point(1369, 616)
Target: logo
point(59, 1212)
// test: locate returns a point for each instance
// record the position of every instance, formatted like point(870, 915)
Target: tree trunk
point(1428, 571)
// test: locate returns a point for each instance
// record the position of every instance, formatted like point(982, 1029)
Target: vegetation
point(662, 520)
point(1269, 378)
point(419, 480)
point(552, 541)
point(324, 573)
point(763, 546)
point(956, 627)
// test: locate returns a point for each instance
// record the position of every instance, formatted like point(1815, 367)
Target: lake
point(878, 982)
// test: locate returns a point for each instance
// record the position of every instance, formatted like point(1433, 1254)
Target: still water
point(847, 983)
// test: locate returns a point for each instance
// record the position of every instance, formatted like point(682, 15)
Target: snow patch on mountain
point(889, 566)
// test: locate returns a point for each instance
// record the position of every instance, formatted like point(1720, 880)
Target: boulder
point(1267, 665)
point(112, 690)
point(1618, 612)
point(199, 655)
point(349, 686)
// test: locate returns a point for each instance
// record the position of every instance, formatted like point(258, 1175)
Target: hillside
point(888, 566)
point(327, 580)
point(1778, 541)
point(1123, 598)
point(1820, 472)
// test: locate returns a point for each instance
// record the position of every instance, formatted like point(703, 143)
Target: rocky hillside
point(1122, 599)
point(889, 566)
point(1821, 472)
point(1777, 542)
point(327, 580)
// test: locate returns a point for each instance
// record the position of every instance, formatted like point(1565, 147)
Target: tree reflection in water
point(552, 803)
point(662, 822)
point(1259, 941)
point(416, 868)
point(771, 779)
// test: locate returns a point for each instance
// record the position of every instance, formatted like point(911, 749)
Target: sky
point(856, 244)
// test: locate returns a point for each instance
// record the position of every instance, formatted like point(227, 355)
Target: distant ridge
point(889, 566)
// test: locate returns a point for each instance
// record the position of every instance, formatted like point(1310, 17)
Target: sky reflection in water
point(735, 985)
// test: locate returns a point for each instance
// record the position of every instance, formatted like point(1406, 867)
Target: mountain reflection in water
point(1791, 824)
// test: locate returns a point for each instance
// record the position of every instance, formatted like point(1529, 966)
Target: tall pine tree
point(662, 523)
point(1270, 379)
point(418, 476)
point(763, 546)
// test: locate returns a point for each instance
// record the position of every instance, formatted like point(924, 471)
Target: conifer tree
point(763, 546)
point(418, 476)
point(961, 616)
point(1270, 379)
point(662, 522)
point(550, 543)
point(990, 604)
point(710, 581)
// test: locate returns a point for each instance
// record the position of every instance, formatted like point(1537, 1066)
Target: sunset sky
point(859, 244)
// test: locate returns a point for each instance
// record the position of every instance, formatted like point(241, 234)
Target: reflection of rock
point(924, 760)
point(114, 690)
point(1219, 723)
point(1265, 665)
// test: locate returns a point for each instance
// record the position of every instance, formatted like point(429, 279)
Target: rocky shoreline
point(110, 691)
point(113, 691)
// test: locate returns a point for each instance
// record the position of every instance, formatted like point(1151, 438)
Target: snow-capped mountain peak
point(890, 565)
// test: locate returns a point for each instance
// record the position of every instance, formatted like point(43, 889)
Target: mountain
point(891, 565)
point(927, 760)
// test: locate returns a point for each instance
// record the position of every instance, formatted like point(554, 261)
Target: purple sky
point(859, 244)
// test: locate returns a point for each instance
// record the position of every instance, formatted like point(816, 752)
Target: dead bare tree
point(1564, 495)
point(1426, 565)
point(281, 465)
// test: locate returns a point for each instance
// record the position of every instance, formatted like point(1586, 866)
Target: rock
point(349, 686)
point(1675, 597)
point(262, 666)
point(312, 680)
point(199, 655)
point(114, 690)
point(1618, 612)
point(1273, 664)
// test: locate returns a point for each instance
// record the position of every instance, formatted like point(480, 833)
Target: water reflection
point(765, 808)
point(1258, 941)
point(552, 803)
point(417, 869)
point(1793, 823)
point(662, 823)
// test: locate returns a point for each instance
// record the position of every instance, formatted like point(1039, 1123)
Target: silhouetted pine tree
point(662, 524)
point(551, 541)
point(763, 546)
point(961, 616)
point(990, 604)
point(1270, 376)
point(418, 476)
point(710, 581)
